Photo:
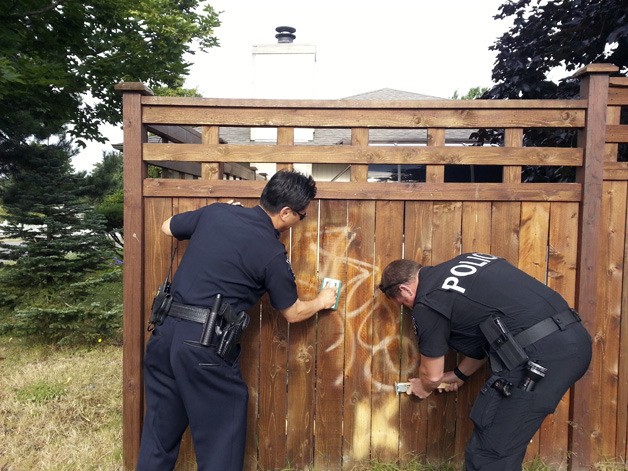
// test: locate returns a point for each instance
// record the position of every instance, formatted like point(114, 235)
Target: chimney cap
point(285, 34)
point(285, 29)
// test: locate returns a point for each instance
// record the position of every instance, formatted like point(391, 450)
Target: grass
point(61, 409)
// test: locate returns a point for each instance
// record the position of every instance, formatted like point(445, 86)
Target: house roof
point(391, 94)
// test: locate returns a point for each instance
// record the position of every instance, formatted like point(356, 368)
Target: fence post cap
point(134, 87)
point(596, 69)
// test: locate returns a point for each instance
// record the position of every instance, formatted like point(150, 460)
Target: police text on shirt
point(465, 267)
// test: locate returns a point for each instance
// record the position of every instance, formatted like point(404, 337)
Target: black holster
point(505, 352)
point(231, 331)
point(161, 305)
point(163, 299)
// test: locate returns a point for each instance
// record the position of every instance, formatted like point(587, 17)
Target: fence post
point(133, 295)
point(585, 412)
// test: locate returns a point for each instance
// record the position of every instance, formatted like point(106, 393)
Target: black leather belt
point(547, 326)
point(190, 313)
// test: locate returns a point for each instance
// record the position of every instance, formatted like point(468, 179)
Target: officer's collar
point(260, 210)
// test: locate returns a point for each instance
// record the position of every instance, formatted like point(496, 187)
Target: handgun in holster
point(505, 351)
point(232, 328)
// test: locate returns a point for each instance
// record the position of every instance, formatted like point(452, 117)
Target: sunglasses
point(301, 215)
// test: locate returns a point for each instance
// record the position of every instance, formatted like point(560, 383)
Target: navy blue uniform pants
point(188, 384)
point(504, 426)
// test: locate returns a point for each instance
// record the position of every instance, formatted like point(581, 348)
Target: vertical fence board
point(250, 368)
point(476, 237)
point(533, 238)
point(386, 318)
point(272, 385)
point(561, 276)
point(435, 173)
point(609, 312)
point(446, 244)
point(331, 340)
point(622, 403)
point(505, 220)
point(158, 250)
point(362, 274)
point(512, 138)
point(505, 231)
point(181, 205)
point(302, 345)
point(211, 170)
point(157, 253)
point(413, 413)
point(359, 138)
point(613, 116)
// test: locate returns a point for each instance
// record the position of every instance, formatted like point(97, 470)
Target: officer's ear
point(405, 289)
point(287, 217)
point(407, 293)
point(285, 213)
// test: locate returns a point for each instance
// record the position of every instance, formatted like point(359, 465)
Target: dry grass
point(60, 409)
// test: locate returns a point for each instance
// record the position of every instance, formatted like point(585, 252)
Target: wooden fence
point(321, 391)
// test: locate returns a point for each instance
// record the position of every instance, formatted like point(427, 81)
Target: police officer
point(480, 305)
point(233, 252)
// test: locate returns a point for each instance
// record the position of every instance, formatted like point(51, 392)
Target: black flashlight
point(534, 374)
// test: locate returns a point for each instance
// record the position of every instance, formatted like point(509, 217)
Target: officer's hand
point(452, 382)
point(416, 388)
point(234, 203)
point(450, 387)
point(328, 297)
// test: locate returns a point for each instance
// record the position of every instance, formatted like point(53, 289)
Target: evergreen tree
point(104, 189)
point(106, 177)
point(61, 237)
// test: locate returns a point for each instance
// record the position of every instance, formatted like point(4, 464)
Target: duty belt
point(547, 326)
point(190, 313)
point(222, 326)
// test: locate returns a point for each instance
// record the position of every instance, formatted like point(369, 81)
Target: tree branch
point(26, 14)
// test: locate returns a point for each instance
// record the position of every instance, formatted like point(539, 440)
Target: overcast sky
point(432, 47)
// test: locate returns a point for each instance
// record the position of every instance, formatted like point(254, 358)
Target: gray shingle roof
point(391, 94)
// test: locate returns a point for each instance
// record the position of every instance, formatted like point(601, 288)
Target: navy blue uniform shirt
point(234, 251)
point(456, 296)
